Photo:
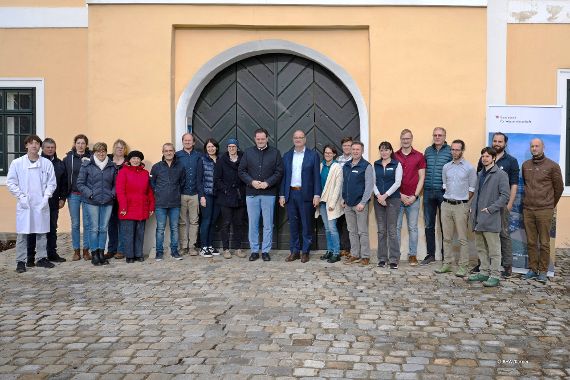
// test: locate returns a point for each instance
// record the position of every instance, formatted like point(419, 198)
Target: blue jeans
point(210, 215)
point(74, 204)
point(173, 214)
point(133, 231)
point(432, 204)
point(99, 222)
point(116, 243)
point(412, 213)
point(331, 233)
point(300, 214)
point(259, 206)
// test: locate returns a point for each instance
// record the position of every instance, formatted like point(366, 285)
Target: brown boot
point(110, 255)
point(76, 255)
point(119, 256)
point(86, 255)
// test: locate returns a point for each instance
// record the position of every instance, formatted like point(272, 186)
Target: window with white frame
point(17, 120)
point(564, 101)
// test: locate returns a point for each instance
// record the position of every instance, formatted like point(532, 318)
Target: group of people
point(192, 189)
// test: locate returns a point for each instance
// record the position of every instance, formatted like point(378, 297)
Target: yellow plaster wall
point(59, 56)
point(534, 54)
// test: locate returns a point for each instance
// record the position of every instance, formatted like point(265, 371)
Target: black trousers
point(344, 235)
point(51, 237)
point(232, 216)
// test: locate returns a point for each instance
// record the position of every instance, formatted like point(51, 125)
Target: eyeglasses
point(437, 135)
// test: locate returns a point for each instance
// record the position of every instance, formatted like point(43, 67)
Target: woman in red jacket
point(136, 204)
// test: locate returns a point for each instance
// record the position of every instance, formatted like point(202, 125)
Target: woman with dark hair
point(115, 248)
point(331, 202)
point(96, 182)
point(209, 210)
point(72, 162)
point(136, 204)
point(230, 196)
point(387, 205)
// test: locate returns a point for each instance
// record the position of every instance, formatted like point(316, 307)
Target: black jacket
point(167, 183)
point(263, 165)
point(60, 192)
point(72, 163)
point(230, 190)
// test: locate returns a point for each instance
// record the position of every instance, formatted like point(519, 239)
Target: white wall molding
point(38, 84)
point(539, 12)
point(31, 17)
point(208, 71)
point(429, 3)
point(563, 76)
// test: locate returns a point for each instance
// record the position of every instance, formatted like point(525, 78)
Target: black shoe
point(381, 264)
point(102, 259)
point(265, 256)
point(334, 258)
point(327, 255)
point(44, 263)
point(20, 267)
point(56, 258)
point(427, 260)
point(95, 258)
point(30, 263)
point(139, 259)
point(393, 266)
point(475, 269)
point(254, 256)
point(130, 261)
point(507, 272)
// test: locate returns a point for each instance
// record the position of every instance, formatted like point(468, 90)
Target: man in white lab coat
point(31, 179)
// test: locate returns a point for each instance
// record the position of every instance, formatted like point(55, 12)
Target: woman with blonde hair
point(115, 247)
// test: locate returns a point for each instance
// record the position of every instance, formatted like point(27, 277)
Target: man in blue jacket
point(189, 204)
point(261, 169)
point(301, 192)
point(436, 155)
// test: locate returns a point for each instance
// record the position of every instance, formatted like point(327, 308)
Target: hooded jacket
point(97, 187)
point(134, 193)
point(72, 162)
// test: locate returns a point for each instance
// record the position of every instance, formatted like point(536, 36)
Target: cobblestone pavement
point(215, 318)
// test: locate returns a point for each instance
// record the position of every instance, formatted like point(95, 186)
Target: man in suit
point(301, 192)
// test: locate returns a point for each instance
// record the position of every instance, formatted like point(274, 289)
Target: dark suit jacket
point(310, 174)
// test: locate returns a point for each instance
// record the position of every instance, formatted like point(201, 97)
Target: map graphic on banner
point(522, 124)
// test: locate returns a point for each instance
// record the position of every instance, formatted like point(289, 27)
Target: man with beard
point(510, 165)
point(543, 187)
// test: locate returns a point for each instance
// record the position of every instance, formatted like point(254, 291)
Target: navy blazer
point(310, 174)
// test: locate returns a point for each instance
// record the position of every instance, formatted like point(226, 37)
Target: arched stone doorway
point(281, 93)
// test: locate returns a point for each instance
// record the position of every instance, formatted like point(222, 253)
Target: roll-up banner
point(521, 124)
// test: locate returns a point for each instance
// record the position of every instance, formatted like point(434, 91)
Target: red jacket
point(134, 194)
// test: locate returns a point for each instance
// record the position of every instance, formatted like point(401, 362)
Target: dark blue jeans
point(300, 214)
point(210, 215)
point(51, 237)
point(115, 234)
point(133, 235)
point(432, 204)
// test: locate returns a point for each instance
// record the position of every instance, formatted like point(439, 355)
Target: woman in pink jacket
point(136, 204)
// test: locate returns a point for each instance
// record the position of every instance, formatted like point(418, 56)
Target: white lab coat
point(32, 184)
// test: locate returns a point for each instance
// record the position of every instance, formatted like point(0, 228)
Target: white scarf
point(101, 164)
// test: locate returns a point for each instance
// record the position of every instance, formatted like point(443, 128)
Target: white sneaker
point(204, 252)
point(214, 251)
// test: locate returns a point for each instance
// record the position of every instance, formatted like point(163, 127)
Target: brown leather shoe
point(365, 262)
point(119, 256)
point(344, 252)
point(412, 261)
point(352, 260)
point(304, 257)
point(86, 255)
point(76, 255)
point(293, 257)
point(110, 255)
